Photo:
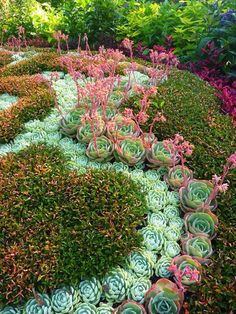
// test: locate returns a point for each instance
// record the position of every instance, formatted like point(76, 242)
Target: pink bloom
point(223, 187)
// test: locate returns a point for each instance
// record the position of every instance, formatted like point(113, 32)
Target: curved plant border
point(35, 100)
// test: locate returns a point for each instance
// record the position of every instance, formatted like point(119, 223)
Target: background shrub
point(56, 226)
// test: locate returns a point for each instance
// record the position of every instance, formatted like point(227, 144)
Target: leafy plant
point(61, 198)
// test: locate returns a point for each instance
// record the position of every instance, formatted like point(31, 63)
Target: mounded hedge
point(5, 58)
point(58, 227)
point(35, 100)
point(193, 110)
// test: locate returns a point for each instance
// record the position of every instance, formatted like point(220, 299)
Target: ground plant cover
point(117, 166)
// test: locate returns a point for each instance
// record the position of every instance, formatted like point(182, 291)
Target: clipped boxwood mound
point(193, 110)
point(5, 58)
point(58, 227)
point(36, 100)
point(45, 61)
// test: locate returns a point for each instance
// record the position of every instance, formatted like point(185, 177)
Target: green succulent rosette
point(159, 185)
point(171, 248)
point(171, 211)
point(72, 120)
point(158, 155)
point(164, 297)
point(100, 149)
point(176, 222)
point(64, 300)
point(153, 238)
point(120, 127)
point(105, 309)
point(85, 308)
point(130, 307)
point(162, 267)
point(177, 176)
point(115, 285)
point(39, 305)
point(152, 175)
point(185, 264)
point(201, 223)
point(157, 219)
point(195, 195)
point(156, 200)
point(172, 234)
point(199, 246)
point(138, 289)
point(10, 310)
point(90, 291)
point(91, 128)
point(173, 198)
point(130, 151)
point(108, 113)
point(141, 264)
point(148, 139)
point(120, 167)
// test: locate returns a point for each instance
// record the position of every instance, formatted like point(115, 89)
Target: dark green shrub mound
point(192, 109)
point(58, 227)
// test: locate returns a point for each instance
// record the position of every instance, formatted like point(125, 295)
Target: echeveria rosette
point(148, 139)
point(121, 127)
point(64, 300)
point(195, 195)
point(157, 219)
point(201, 223)
point(115, 285)
point(100, 149)
point(138, 289)
point(172, 233)
point(164, 297)
point(156, 200)
point(173, 198)
point(108, 113)
point(171, 211)
point(187, 270)
point(90, 128)
point(162, 267)
point(176, 222)
point(198, 247)
point(130, 307)
point(10, 310)
point(152, 175)
point(158, 155)
point(85, 308)
point(130, 151)
point(90, 291)
point(153, 238)
point(72, 120)
point(140, 263)
point(171, 248)
point(105, 309)
point(175, 177)
point(39, 305)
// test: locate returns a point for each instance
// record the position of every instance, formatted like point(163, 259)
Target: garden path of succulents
point(51, 139)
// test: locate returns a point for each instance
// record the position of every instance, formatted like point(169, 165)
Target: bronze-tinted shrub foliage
point(36, 100)
point(58, 227)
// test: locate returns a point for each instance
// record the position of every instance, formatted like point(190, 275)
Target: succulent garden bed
point(99, 212)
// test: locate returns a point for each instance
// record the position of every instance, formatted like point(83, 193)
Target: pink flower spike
point(232, 160)
point(223, 187)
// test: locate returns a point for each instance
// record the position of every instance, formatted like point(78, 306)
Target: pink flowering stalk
point(128, 44)
point(58, 36)
point(218, 181)
point(181, 148)
point(187, 271)
point(65, 38)
point(87, 48)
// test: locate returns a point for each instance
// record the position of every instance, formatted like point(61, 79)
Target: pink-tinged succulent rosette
point(187, 271)
point(201, 223)
point(159, 155)
point(121, 127)
point(130, 307)
point(195, 195)
point(177, 176)
point(164, 297)
point(198, 247)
